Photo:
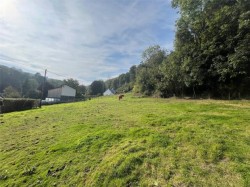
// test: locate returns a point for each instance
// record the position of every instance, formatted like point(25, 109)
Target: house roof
point(62, 87)
point(67, 86)
point(112, 90)
point(109, 91)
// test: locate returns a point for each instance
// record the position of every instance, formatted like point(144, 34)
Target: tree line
point(14, 83)
point(210, 57)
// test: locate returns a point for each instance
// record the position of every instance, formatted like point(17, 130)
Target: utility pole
point(44, 80)
point(1, 97)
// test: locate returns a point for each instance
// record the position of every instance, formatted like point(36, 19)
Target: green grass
point(132, 142)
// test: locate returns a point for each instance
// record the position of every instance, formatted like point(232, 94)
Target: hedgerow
point(11, 105)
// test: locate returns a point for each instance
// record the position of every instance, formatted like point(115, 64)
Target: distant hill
point(24, 84)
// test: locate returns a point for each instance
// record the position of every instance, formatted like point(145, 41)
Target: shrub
point(11, 105)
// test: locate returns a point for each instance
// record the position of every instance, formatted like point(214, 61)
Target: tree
point(30, 87)
point(81, 91)
point(211, 56)
point(148, 71)
point(132, 74)
point(71, 83)
point(10, 92)
point(171, 81)
point(153, 55)
point(213, 48)
point(39, 78)
point(97, 87)
point(12, 77)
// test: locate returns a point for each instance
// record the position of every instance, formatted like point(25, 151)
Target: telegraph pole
point(44, 80)
point(1, 99)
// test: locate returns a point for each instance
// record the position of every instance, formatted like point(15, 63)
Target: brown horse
point(120, 97)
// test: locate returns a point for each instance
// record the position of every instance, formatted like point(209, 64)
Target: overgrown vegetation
point(132, 142)
point(10, 105)
point(14, 83)
point(17, 84)
point(210, 59)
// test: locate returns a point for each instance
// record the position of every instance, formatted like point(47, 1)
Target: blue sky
point(84, 39)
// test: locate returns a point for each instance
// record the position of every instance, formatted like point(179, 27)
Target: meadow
point(132, 142)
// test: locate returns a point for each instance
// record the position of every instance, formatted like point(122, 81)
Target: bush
point(11, 105)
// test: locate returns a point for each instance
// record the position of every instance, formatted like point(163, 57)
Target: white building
point(64, 93)
point(109, 92)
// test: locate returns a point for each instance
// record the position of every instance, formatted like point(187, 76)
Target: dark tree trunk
point(194, 94)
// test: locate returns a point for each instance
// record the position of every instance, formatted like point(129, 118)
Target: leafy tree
point(125, 88)
point(132, 74)
point(153, 55)
point(211, 56)
point(39, 78)
point(97, 87)
point(81, 91)
point(71, 83)
point(12, 77)
point(212, 47)
point(10, 92)
point(148, 71)
point(124, 82)
point(171, 81)
point(34, 94)
point(144, 82)
point(29, 87)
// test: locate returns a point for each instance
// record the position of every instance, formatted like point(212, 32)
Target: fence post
point(1, 105)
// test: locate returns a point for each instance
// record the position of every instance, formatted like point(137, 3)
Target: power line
point(24, 63)
point(65, 76)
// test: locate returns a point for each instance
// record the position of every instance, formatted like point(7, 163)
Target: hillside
point(24, 83)
point(132, 142)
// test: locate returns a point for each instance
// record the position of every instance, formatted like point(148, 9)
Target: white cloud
point(85, 40)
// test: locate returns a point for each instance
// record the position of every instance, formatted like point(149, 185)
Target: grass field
point(133, 142)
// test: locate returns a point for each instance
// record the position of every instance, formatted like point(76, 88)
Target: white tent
point(109, 92)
